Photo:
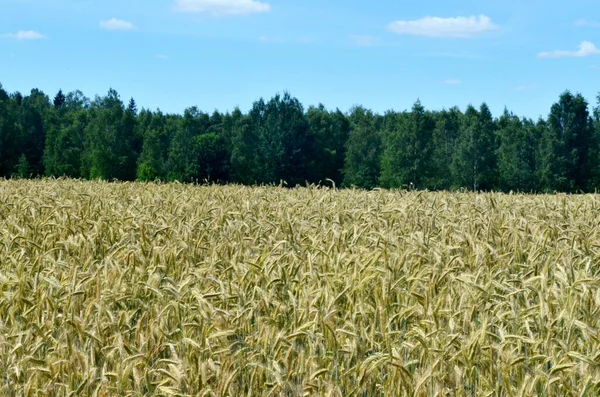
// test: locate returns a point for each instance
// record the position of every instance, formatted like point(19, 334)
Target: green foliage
point(518, 141)
point(23, 170)
point(272, 143)
point(76, 101)
point(59, 99)
point(406, 160)
point(3, 94)
point(594, 155)
point(65, 142)
point(278, 141)
point(11, 132)
point(156, 130)
point(363, 151)
point(244, 144)
point(284, 144)
point(146, 173)
point(130, 144)
point(445, 139)
point(109, 140)
point(597, 112)
point(214, 149)
point(330, 132)
point(212, 153)
point(33, 113)
point(474, 163)
point(183, 156)
point(566, 146)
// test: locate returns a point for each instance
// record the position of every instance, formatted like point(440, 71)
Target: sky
point(384, 55)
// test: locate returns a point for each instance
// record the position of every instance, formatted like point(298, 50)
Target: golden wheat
point(142, 289)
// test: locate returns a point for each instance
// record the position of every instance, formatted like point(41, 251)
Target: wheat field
point(129, 289)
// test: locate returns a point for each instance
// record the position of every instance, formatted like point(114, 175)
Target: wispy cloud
point(585, 23)
point(222, 7)
point(267, 39)
point(116, 24)
point(594, 67)
point(452, 82)
point(364, 41)
point(585, 49)
point(451, 28)
point(25, 35)
point(161, 56)
point(529, 87)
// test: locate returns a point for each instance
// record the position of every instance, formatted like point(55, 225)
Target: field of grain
point(143, 289)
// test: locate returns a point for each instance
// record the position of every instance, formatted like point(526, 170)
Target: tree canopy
point(281, 141)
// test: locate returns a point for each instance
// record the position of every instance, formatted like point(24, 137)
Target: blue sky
point(218, 54)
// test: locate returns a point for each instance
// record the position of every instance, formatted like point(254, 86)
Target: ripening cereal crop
point(131, 289)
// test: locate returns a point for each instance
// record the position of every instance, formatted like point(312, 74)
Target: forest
point(279, 141)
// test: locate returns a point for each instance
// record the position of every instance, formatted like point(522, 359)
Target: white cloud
point(452, 82)
point(594, 67)
point(364, 41)
point(524, 87)
point(222, 7)
point(161, 56)
point(586, 49)
point(585, 23)
point(25, 35)
point(116, 24)
point(452, 28)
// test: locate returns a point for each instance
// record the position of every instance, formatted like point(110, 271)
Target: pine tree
point(130, 144)
point(59, 99)
point(132, 107)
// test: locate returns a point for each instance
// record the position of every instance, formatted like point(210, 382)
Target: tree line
point(279, 141)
